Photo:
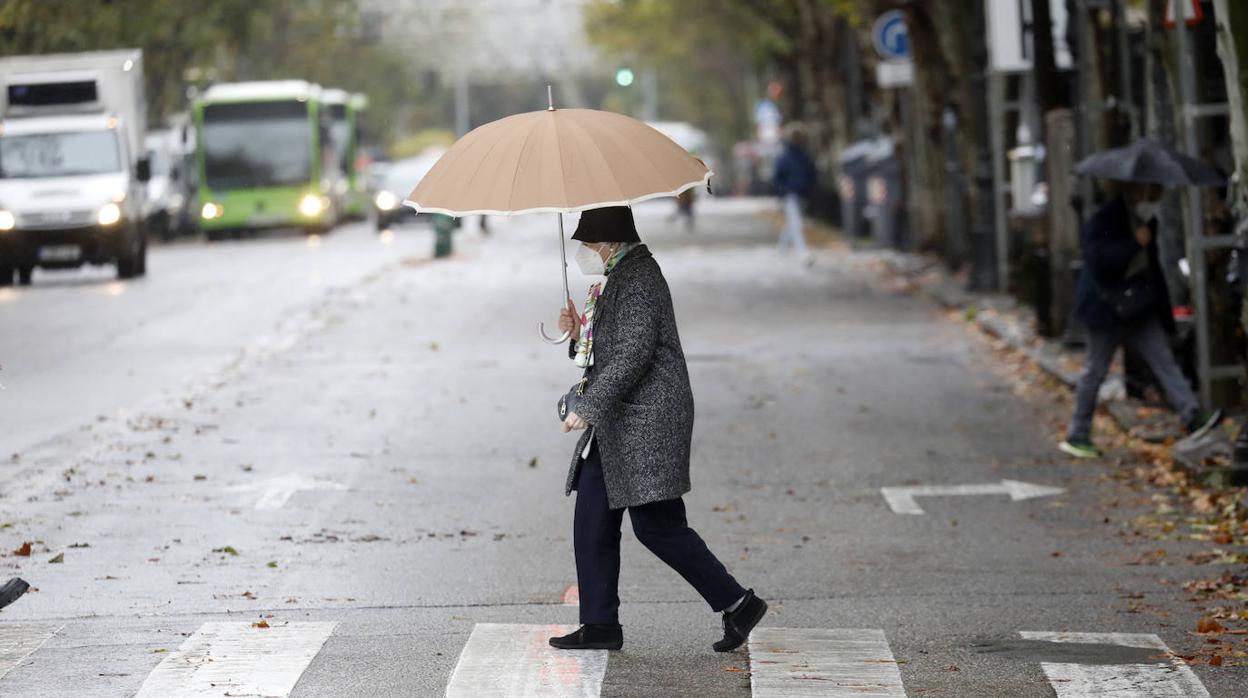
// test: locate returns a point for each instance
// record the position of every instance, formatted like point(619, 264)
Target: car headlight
point(110, 214)
point(311, 205)
point(386, 201)
point(211, 210)
point(7, 221)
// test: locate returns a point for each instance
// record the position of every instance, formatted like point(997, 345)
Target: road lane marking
point(902, 499)
point(1166, 678)
point(824, 662)
point(516, 661)
point(276, 491)
point(237, 659)
point(19, 640)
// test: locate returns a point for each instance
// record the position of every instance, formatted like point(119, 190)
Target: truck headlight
point(386, 201)
point(110, 214)
point(7, 221)
point(311, 205)
point(211, 210)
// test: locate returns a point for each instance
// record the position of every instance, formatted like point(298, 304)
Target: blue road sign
point(890, 37)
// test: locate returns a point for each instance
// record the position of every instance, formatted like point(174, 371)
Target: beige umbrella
point(556, 161)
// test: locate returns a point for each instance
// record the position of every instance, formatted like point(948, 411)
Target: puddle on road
point(1034, 651)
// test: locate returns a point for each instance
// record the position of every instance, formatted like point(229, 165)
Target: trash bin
point(852, 186)
point(885, 197)
point(443, 228)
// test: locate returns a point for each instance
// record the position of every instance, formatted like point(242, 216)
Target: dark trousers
point(660, 526)
point(1149, 341)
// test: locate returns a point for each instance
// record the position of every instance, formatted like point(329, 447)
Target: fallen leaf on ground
point(1209, 625)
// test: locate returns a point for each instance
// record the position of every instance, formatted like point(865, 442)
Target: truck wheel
point(24, 275)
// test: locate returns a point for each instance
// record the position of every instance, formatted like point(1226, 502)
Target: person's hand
point(573, 423)
point(1143, 235)
point(570, 320)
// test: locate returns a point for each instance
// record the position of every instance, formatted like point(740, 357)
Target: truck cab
point(72, 164)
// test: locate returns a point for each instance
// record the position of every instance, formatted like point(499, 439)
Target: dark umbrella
point(1149, 162)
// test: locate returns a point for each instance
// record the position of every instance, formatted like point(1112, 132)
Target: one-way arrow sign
point(902, 499)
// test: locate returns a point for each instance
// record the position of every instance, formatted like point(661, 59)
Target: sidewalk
point(1001, 317)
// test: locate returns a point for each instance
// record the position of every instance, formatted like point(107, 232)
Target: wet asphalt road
point(346, 432)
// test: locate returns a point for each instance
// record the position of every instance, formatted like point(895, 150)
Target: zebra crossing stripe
point(515, 661)
point(829, 663)
point(1168, 677)
point(236, 659)
point(19, 640)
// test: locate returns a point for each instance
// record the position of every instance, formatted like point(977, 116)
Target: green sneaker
point(1079, 449)
point(1202, 422)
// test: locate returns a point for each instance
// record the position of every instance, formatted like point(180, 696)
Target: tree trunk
point(931, 96)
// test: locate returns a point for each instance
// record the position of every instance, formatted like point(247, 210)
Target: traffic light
point(624, 77)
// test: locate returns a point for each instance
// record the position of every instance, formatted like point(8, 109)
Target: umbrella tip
point(550, 99)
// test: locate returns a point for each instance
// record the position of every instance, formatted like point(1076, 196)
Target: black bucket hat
point(609, 224)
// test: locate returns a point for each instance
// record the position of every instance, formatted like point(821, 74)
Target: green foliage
point(420, 141)
point(196, 43)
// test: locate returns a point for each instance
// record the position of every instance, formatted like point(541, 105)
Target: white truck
point(73, 163)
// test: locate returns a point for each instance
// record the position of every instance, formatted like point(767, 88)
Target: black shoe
point(1202, 422)
point(591, 636)
point(739, 623)
point(11, 590)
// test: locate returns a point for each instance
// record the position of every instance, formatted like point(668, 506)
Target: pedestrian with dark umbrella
point(636, 409)
point(1122, 299)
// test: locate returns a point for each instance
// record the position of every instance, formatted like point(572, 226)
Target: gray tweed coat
point(638, 397)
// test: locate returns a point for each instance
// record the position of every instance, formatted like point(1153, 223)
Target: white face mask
point(1147, 210)
point(590, 261)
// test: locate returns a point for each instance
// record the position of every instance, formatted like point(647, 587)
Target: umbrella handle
point(541, 331)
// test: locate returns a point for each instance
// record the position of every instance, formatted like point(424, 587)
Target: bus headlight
point(311, 205)
point(386, 201)
point(7, 221)
point(110, 214)
point(211, 210)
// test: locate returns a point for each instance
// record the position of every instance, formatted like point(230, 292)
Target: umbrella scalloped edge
point(561, 209)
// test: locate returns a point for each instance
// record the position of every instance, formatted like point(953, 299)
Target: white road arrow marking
point(1168, 677)
point(902, 499)
point(275, 492)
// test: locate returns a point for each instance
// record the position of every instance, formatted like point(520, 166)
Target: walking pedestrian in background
point(1122, 299)
point(794, 180)
point(637, 412)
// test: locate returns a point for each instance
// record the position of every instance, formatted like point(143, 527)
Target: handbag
point(1133, 301)
point(567, 403)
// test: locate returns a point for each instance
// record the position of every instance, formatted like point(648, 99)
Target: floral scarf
point(585, 343)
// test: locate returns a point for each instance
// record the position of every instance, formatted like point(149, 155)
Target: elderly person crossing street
point(636, 410)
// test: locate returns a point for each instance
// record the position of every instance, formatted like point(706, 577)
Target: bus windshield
point(59, 154)
point(257, 144)
point(340, 134)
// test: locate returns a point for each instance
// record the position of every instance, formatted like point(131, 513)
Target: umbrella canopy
point(556, 161)
point(1149, 162)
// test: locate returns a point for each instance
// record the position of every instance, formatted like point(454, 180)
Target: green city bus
point(346, 117)
point(264, 158)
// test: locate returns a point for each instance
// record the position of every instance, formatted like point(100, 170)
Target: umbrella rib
point(515, 176)
point(563, 182)
point(644, 156)
point(481, 162)
point(622, 194)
